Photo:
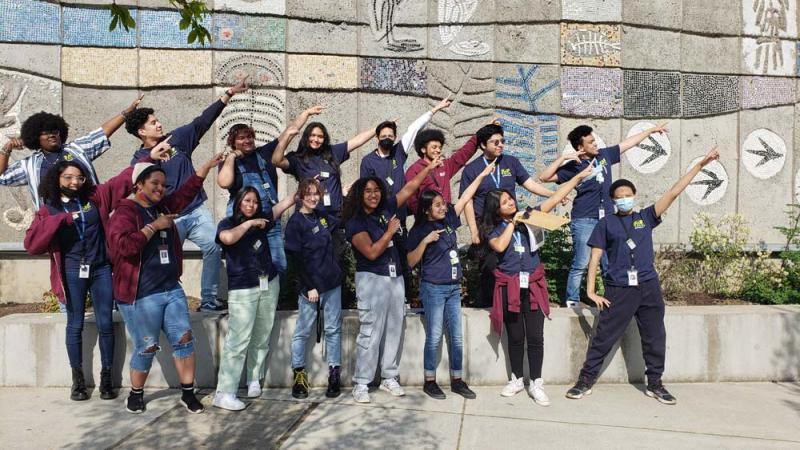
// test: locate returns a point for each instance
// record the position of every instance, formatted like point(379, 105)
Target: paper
point(544, 220)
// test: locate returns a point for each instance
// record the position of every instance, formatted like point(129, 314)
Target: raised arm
point(532, 186)
point(232, 235)
point(469, 192)
point(411, 186)
point(413, 129)
point(634, 140)
point(500, 243)
point(549, 174)
point(43, 229)
point(13, 143)
point(226, 174)
point(360, 139)
point(564, 190)
point(113, 124)
point(287, 202)
point(285, 138)
point(184, 195)
point(666, 200)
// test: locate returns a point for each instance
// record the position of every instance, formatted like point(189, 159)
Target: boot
point(78, 386)
point(106, 387)
point(333, 382)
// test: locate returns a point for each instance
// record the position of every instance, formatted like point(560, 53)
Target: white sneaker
point(253, 389)
point(573, 304)
point(361, 393)
point(513, 387)
point(227, 401)
point(391, 386)
point(536, 391)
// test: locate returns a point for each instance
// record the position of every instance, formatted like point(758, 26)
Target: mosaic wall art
point(470, 86)
point(524, 90)
point(652, 153)
point(99, 67)
point(277, 7)
point(533, 139)
point(709, 94)
point(758, 92)
point(89, 26)
point(590, 45)
point(393, 75)
point(249, 32)
point(592, 10)
point(382, 17)
point(769, 56)
point(158, 28)
point(263, 70)
point(590, 91)
point(318, 71)
point(770, 18)
point(763, 153)
point(710, 185)
point(158, 67)
point(262, 109)
point(452, 15)
point(652, 94)
point(30, 21)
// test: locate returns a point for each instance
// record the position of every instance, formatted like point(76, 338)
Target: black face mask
point(386, 144)
point(71, 193)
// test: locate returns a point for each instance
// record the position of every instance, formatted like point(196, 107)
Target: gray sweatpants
point(381, 313)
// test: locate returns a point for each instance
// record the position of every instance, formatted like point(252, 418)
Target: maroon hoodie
point(439, 179)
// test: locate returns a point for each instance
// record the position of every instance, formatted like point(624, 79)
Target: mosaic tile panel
point(249, 32)
point(263, 69)
point(758, 92)
point(709, 94)
point(652, 94)
point(174, 67)
point(779, 19)
point(320, 71)
point(393, 75)
point(89, 26)
point(769, 56)
point(262, 109)
point(589, 91)
point(277, 7)
point(592, 10)
point(526, 89)
point(30, 21)
point(99, 67)
point(160, 29)
point(590, 45)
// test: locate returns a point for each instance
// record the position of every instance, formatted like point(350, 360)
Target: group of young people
point(121, 241)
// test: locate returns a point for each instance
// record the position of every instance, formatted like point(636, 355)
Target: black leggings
point(525, 325)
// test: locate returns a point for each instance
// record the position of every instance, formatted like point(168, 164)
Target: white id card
point(390, 181)
point(601, 213)
point(163, 234)
point(324, 174)
point(524, 280)
point(266, 186)
point(633, 277)
point(163, 254)
point(392, 270)
point(263, 283)
point(315, 230)
point(631, 244)
point(454, 272)
point(519, 248)
point(391, 244)
point(257, 245)
point(83, 271)
point(326, 199)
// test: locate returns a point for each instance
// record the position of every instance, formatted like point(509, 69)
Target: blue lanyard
point(517, 239)
point(492, 175)
point(79, 225)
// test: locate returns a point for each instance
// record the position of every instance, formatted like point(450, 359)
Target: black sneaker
point(334, 382)
point(191, 403)
point(217, 307)
point(580, 389)
point(433, 390)
point(660, 393)
point(135, 403)
point(459, 386)
point(300, 387)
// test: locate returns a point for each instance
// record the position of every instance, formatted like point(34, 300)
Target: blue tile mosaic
point(521, 88)
point(393, 75)
point(160, 29)
point(249, 32)
point(30, 21)
point(89, 27)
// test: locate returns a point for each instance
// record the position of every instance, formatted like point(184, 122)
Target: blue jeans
point(581, 229)
point(331, 306)
point(442, 303)
point(99, 284)
point(276, 251)
point(199, 228)
point(145, 319)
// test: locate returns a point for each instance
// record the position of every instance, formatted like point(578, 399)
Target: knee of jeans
point(149, 348)
point(333, 328)
point(184, 348)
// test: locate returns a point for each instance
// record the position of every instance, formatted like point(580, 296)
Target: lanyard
point(79, 225)
point(154, 217)
point(628, 234)
point(494, 175)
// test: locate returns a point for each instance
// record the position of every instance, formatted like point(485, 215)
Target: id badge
point(601, 213)
point(326, 199)
point(257, 245)
point(392, 270)
point(519, 248)
point(324, 174)
point(524, 279)
point(453, 257)
point(83, 271)
point(163, 254)
point(263, 283)
point(633, 277)
point(315, 230)
point(454, 272)
point(631, 244)
point(390, 181)
point(265, 186)
point(391, 244)
point(162, 234)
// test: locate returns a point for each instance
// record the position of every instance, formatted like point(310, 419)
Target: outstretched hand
point(711, 156)
point(314, 110)
point(489, 169)
point(661, 128)
point(442, 105)
point(211, 163)
point(135, 103)
point(161, 152)
point(240, 87)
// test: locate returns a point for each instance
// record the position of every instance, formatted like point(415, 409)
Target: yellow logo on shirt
point(382, 220)
point(394, 164)
point(324, 222)
point(638, 223)
point(505, 172)
point(67, 157)
point(603, 162)
point(87, 207)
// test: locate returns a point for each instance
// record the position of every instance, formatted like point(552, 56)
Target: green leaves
point(121, 15)
point(193, 12)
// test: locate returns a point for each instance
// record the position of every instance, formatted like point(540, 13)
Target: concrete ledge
point(717, 343)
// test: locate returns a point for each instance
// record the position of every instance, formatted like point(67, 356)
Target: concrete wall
point(732, 343)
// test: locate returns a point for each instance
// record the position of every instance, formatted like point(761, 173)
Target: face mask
point(625, 204)
point(71, 193)
point(386, 144)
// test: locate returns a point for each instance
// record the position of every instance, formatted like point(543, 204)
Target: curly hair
point(486, 132)
point(305, 152)
point(50, 187)
point(135, 120)
point(425, 136)
point(39, 122)
point(354, 202)
point(234, 131)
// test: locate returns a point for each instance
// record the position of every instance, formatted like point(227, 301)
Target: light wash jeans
point(330, 302)
point(442, 303)
point(251, 314)
point(198, 227)
point(581, 229)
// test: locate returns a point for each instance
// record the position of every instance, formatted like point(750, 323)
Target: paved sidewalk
point(721, 415)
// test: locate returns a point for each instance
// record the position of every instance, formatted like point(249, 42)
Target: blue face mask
point(625, 204)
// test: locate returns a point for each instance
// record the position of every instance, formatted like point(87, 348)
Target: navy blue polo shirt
point(507, 175)
point(510, 260)
point(310, 236)
point(591, 194)
point(437, 267)
point(153, 276)
point(250, 165)
point(391, 167)
point(611, 234)
point(316, 166)
point(375, 225)
point(90, 248)
point(50, 159)
point(249, 257)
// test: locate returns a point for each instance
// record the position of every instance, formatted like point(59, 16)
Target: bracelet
point(151, 228)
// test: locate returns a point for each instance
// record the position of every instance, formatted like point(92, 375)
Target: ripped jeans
point(147, 316)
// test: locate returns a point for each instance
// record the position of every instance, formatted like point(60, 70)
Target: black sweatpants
point(646, 304)
point(524, 326)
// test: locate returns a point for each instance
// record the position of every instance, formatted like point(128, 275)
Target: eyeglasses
point(71, 178)
point(372, 191)
point(55, 133)
point(497, 141)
